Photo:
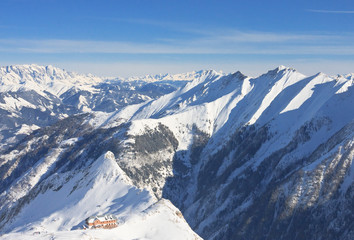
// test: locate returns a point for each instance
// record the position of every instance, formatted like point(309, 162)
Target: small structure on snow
point(106, 221)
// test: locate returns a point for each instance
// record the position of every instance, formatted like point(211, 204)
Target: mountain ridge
point(99, 188)
point(33, 96)
point(267, 157)
point(43, 78)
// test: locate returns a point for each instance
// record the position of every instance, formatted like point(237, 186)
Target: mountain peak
point(280, 70)
point(320, 75)
point(107, 167)
point(42, 78)
point(188, 76)
point(239, 75)
point(284, 68)
point(281, 67)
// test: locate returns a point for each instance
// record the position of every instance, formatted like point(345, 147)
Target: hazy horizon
point(116, 38)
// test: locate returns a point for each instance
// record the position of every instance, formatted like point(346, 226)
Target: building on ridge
point(106, 221)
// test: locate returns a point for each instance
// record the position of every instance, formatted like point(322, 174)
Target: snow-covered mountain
point(183, 77)
point(58, 81)
point(97, 189)
point(43, 79)
point(33, 96)
point(269, 157)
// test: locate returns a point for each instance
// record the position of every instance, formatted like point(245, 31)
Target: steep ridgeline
point(61, 203)
point(33, 96)
point(250, 158)
point(242, 158)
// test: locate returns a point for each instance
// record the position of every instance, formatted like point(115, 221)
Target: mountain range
point(33, 96)
point(237, 157)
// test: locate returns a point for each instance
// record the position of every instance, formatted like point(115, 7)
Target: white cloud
point(232, 42)
point(211, 43)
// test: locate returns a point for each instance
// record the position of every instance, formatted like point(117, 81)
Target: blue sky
point(136, 37)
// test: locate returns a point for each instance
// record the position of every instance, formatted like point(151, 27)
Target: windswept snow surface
point(103, 187)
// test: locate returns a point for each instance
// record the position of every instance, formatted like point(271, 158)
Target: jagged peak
point(279, 71)
point(239, 75)
point(31, 67)
point(106, 160)
point(320, 75)
point(187, 76)
point(207, 72)
point(284, 68)
point(106, 166)
point(281, 67)
point(43, 78)
point(349, 76)
point(343, 77)
point(48, 70)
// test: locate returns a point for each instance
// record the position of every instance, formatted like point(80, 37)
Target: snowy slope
point(233, 128)
point(269, 157)
point(161, 221)
point(214, 103)
point(101, 188)
point(40, 78)
point(210, 101)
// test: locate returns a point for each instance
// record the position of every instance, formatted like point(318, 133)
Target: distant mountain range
point(33, 96)
point(269, 157)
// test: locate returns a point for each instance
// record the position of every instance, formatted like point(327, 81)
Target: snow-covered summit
point(106, 167)
point(43, 78)
point(280, 70)
point(350, 76)
point(189, 76)
point(58, 81)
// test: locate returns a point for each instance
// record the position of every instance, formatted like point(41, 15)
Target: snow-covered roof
point(102, 218)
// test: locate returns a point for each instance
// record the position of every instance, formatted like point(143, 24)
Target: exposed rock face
point(309, 197)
